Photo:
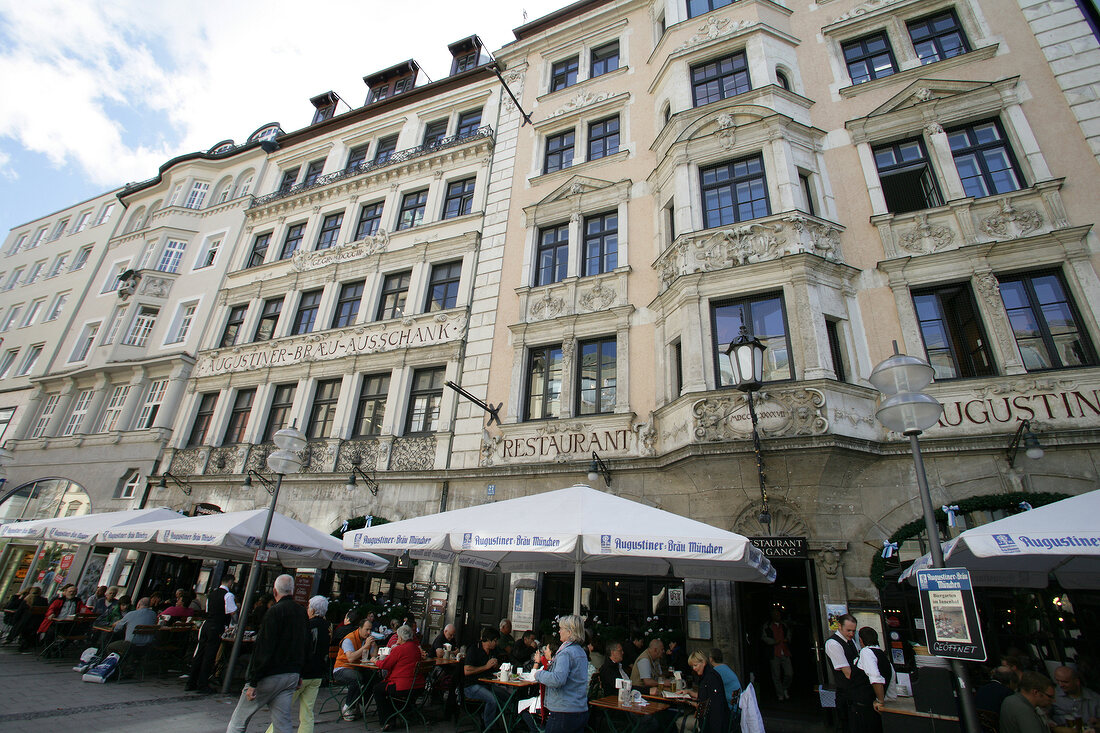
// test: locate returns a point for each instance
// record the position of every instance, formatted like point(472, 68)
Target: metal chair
point(405, 706)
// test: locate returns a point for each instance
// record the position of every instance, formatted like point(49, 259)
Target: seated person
point(97, 602)
point(729, 678)
point(597, 653)
point(352, 621)
point(480, 662)
point(446, 636)
point(647, 667)
point(354, 650)
point(142, 615)
point(613, 669)
point(400, 672)
point(110, 618)
point(65, 606)
point(179, 611)
point(524, 650)
point(1002, 683)
point(1018, 711)
point(1072, 700)
point(26, 617)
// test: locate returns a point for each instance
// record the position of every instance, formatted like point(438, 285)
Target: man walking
point(777, 635)
point(220, 605)
point(277, 658)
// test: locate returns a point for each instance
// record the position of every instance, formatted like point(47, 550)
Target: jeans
point(566, 722)
point(303, 697)
point(487, 696)
point(350, 677)
point(276, 691)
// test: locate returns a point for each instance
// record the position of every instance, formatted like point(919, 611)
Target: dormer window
point(465, 54)
point(391, 81)
point(325, 106)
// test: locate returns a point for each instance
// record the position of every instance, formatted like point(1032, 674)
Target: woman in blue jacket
point(566, 680)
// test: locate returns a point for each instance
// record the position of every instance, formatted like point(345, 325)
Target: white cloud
point(6, 171)
point(75, 71)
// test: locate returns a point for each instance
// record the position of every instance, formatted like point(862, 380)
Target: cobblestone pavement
point(47, 695)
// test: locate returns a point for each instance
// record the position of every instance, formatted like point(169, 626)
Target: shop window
point(605, 59)
point(395, 290)
point(306, 317)
point(734, 192)
point(269, 319)
point(596, 376)
point(278, 417)
point(544, 375)
point(938, 37)
point(869, 58)
point(601, 243)
point(203, 415)
point(372, 405)
point(559, 151)
point(984, 160)
point(603, 138)
point(954, 341)
point(908, 183)
point(323, 413)
point(552, 257)
point(719, 79)
point(347, 305)
point(766, 319)
point(1046, 322)
point(330, 230)
point(443, 286)
point(424, 401)
point(238, 417)
point(564, 74)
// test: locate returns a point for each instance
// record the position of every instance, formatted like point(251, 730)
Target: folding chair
point(405, 705)
point(465, 714)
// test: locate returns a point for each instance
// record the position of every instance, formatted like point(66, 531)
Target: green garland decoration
point(991, 502)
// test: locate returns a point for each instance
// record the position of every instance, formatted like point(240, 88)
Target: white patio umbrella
point(1022, 550)
point(236, 536)
point(85, 529)
point(572, 529)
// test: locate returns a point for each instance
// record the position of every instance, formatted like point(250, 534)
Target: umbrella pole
point(577, 580)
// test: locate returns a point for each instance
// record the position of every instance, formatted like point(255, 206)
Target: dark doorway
point(795, 594)
point(483, 603)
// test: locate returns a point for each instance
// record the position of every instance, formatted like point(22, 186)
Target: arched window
point(782, 79)
point(43, 499)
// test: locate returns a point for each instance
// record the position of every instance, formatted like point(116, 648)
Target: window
point(559, 151)
point(151, 407)
point(465, 63)
point(563, 74)
point(953, 337)
point(33, 310)
point(434, 132)
point(141, 327)
point(37, 239)
point(233, 325)
point(782, 80)
point(386, 147)
point(596, 377)
point(424, 400)
point(58, 264)
point(938, 37)
point(146, 255)
point(544, 375)
point(605, 59)
point(209, 255)
point(807, 192)
point(183, 323)
point(869, 58)
point(44, 417)
point(552, 258)
point(908, 183)
point(82, 256)
point(601, 243)
point(443, 286)
point(289, 177)
point(678, 368)
point(173, 255)
point(30, 360)
point(379, 93)
point(468, 123)
point(105, 214)
point(113, 411)
point(13, 279)
point(278, 417)
point(372, 405)
point(719, 79)
point(36, 270)
point(82, 222)
point(347, 305)
point(293, 240)
point(59, 229)
point(734, 192)
point(245, 187)
point(459, 200)
point(6, 415)
point(205, 413)
point(307, 312)
point(114, 325)
point(6, 362)
point(836, 352)
point(356, 157)
point(129, 484)
point(395, 289)
point(984, 160)
point(766, 320)
point(13, 314)
point(238, 417)
point(313, 172)
point(79, 410)
point(412, 209)
point(197, 197)
point(18, 244)
point(173, 200)
point(259, 250)
point(1046, 323)
point(330, 230)
point(370, 216)
point(698, 7)
point(603, 138)
point(323, 413)
point(114, 277)
point(269, 319)
point(403, 85)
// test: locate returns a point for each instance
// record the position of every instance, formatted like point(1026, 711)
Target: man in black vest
point(876, 664)
point(854, 695)
point(220, 606)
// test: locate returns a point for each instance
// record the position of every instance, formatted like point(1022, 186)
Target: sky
point(97, 94)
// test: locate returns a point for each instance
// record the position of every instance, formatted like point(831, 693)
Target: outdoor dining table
point(635, 713)
point(507, 713)
point(67, 629)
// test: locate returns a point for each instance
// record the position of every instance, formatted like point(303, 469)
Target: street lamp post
point(281, 462)
point(907, 410)
point(747, 361)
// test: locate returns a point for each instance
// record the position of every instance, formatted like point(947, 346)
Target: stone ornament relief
point(314, 259)
point(830, 561)
point(257, 457)
point(797, 412)
point(726, 130)
point(489, 446)
point(990, 291)
point(713, 29)
point(867, 7)
point(225, 459)
point(318, 456)
point(647, 436)
point(548, 306)
point(926, 237)
point(187, 462)
point(362, 453)
point(786, 520)
point(1010, 222)
point(853, 417)
point(156, 287)
point(598, 298)
point(413, 454)
point(582, 100)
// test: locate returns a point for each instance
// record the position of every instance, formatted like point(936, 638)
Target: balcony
point(1029, 212)
point(759, 240)
point(398, 157)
